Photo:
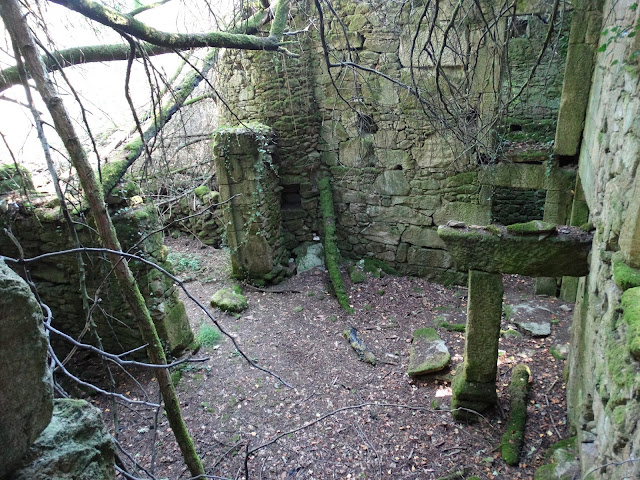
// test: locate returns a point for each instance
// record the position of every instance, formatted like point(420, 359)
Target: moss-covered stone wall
point(394, 178)
point(39, 228)
point(604, 371)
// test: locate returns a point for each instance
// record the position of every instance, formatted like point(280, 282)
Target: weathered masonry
point(39, 228)
point(396, 179)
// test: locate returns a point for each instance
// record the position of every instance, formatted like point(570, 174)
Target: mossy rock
point(631, 315)
point(229, 300)
point(201, 191)
point(356, 275)
point(513, 438)
point(12, 178)
point(428, 353)
point(534, 227)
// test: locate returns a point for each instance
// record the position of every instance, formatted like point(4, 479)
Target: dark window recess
point(517, 205)
point(519, 26)
point(366, 124)
point(290, 197)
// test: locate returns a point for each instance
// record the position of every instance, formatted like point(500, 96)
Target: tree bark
point(16, 23)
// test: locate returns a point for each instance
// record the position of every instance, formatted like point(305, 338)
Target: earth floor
point(340, 417)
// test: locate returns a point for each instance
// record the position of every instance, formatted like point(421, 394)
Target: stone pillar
point(579, 216)
point(556, 207)
point(474, 386)
point(248, 179)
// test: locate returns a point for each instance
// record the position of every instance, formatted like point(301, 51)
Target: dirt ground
point(341, 418)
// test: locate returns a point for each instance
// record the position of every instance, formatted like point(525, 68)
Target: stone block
point(428, 353)
point(465, 212)
point(392, 182)
point(357, 152)
point(26, 401)
point(429, 257)
point(494, 250)
point(484, 313)
point(423, 237)
point(74, 445)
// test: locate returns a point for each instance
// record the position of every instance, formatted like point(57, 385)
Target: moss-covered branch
point(331, 253)
point(117, 51)
point(127, 24)
point(514, 436)
point(79, 55)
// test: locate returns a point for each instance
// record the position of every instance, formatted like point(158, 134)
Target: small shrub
point(208, 335)
point(184, 262)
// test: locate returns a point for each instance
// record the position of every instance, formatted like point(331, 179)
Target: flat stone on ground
point(535, 329)
point(428, 353)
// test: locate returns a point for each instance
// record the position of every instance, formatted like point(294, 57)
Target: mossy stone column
point(474, 386)
point(248, 180)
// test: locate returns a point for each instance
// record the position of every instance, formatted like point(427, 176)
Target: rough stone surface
point(26, 401)
point(40, 229)
point(535, 329)
point(229, 300)
point(474, 385)
point(493, 250)
point(311, 257)
point(603, 386)
point(428, 353)
point(74, 446)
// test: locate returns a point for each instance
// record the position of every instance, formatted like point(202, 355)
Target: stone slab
point(494, 250)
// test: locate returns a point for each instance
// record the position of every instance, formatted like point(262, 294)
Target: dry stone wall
point(394, 178)
point(604, 370)
point(39, 228)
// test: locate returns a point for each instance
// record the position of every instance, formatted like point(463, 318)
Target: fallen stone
point(229, 300)
point(26, 400)
point(535, 329)
point(428, 353)
point(73, 446)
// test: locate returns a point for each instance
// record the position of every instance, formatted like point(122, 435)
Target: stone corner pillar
point(248, 179)
point(474, 386)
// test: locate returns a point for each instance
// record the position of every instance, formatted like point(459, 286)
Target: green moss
point(332, 255)
point(631, 315)
point(511, 333)
point(513, 438)
point(426, 333)
point(493, 229)
point(378, 267)
point(229, 300)
point(532, 227)
point(356, 275)
point(111, 174)
point(625, 276)
point(201, 191)
point(567, 444)
point(452, 327)
point(555, 353)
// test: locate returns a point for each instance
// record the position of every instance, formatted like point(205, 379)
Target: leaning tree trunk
point(16, 24)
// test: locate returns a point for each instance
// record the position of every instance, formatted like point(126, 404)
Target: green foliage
point(507, 311)
point(184, 262)
point(208, 335)
point(298, 309)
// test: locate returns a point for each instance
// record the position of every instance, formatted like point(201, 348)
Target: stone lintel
point(492, 249)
